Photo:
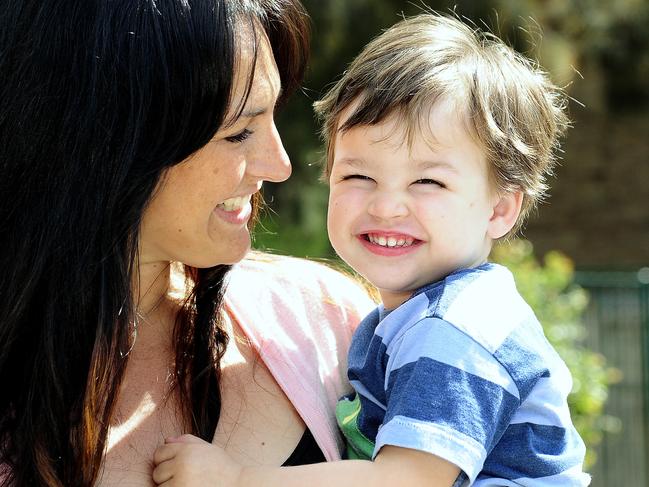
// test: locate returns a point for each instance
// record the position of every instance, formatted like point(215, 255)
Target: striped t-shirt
point(462, 370)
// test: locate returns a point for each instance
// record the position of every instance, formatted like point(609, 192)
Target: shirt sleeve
point(446, 395)
point(300, 316)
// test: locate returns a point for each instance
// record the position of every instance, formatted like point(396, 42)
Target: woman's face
point(199, 214)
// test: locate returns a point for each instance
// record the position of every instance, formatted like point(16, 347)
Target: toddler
point(439, 142)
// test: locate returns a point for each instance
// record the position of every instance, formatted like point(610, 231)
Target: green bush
point(559, 305)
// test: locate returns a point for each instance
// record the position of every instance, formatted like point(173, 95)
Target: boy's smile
point(404, 216)
point(389, 243)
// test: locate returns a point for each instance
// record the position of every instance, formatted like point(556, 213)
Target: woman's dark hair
point(97, 99)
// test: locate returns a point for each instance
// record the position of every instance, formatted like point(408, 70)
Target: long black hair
point(97, 99)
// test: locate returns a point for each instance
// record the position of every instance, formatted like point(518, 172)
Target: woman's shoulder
point(281, 274)
point(296, 291)
point(300, 316)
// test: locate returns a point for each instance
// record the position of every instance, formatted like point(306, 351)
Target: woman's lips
point(235, 210)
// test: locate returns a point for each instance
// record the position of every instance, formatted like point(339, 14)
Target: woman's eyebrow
point(254, 112)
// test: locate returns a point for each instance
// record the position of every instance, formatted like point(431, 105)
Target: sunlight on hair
point(177, 282)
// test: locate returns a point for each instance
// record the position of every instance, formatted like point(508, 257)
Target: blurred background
point(583, 262)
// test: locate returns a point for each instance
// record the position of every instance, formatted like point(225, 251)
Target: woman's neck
point(151, 286)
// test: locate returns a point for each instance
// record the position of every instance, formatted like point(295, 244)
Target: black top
point(306, 452)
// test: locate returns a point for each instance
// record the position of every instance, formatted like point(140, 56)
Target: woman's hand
point(188, 461)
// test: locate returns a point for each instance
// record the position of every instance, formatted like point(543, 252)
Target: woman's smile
point(235, 210)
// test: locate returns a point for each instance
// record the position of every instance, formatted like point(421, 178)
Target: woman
point(135, 134)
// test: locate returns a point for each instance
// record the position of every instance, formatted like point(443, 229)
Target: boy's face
point(406, 216)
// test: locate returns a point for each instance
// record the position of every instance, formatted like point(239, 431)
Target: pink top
point(300, 316)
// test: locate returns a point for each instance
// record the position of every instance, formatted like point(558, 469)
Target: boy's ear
point(507, 207)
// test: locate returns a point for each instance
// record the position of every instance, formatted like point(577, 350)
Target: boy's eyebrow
point(422, 164)
point(430, 164)
point(352, 161)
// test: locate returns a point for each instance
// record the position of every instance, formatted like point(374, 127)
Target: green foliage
point(597, 47)
point(277, 234)
point(559, 304)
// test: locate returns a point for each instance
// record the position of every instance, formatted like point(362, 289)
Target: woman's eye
point(429, 181)
point(240, 137)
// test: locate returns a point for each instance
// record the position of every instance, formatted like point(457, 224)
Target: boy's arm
point(188, 461)
point(393, 466)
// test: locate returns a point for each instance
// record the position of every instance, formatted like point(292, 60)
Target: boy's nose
point(387, 205)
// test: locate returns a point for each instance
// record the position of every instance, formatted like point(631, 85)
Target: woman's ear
point(507, 207)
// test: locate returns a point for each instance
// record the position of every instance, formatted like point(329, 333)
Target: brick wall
point(598, 211)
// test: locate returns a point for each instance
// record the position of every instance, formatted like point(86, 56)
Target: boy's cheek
point(336, 199)
point(347, 193)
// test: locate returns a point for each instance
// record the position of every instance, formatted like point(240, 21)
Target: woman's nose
point(271, 163)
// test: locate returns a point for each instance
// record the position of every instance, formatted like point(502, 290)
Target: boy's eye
point(356, 176)
point(240, 137)
point(429, 181)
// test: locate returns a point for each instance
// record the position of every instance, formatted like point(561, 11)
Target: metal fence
point(618, 324)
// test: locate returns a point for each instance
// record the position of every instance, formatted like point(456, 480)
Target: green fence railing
point(617, 320)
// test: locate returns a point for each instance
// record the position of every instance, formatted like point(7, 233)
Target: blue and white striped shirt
point(462, 370)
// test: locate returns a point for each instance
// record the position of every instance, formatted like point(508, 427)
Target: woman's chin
point(233, 254)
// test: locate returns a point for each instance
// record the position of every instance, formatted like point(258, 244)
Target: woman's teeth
point(390, 241)
point(233, 204)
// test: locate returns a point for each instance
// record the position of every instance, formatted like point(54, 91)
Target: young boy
point(439, 142)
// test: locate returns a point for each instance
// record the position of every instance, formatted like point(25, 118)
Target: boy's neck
point(393, 299)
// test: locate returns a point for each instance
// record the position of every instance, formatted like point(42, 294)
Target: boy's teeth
point(390, 241)
point(233, 204)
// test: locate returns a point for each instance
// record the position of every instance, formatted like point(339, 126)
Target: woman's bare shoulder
point(322, 275)
point(300, 293)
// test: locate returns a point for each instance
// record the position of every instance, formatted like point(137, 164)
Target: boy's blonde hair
point(510, 106)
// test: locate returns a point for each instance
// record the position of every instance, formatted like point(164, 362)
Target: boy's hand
point(188, 461)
